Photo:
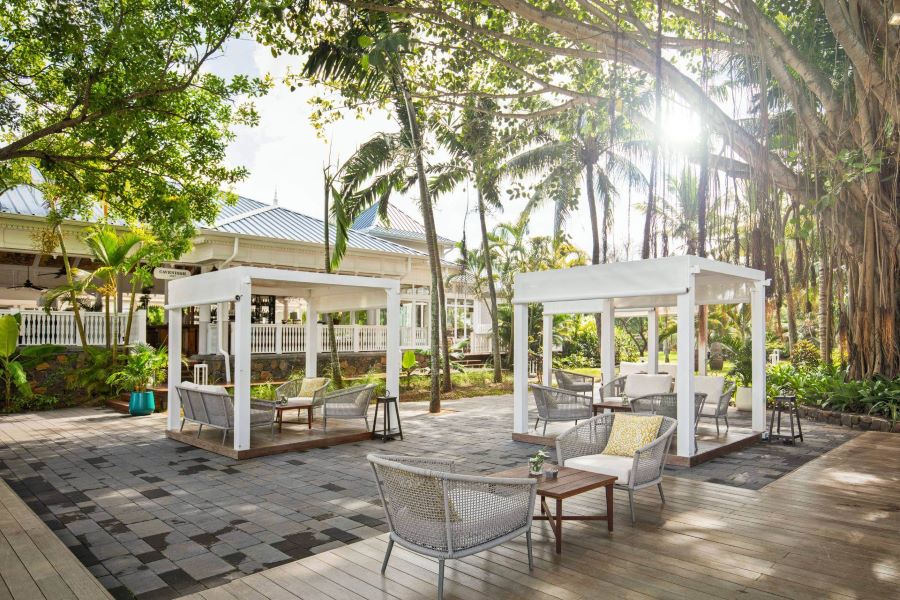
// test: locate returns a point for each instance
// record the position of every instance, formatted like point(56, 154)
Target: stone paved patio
point(153, 518)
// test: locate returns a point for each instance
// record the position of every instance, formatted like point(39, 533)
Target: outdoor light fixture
point(894, 19)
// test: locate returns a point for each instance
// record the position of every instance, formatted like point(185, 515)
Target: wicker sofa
point(581, 447)
point(435, 512)
point(212, 406)
point(636, 385)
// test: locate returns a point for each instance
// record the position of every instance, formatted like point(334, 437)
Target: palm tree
point(476, 153)
point(369, 57)
point(117, 254)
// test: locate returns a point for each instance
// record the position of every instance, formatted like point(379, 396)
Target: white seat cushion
point(712, 387)
point(297, 402)
point(605, 464)
point(630, 368)
point(643, 384)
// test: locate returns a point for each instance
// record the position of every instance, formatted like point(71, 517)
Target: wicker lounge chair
point(667, 405)
point(574, 382)
point(302, 394)
point(718, 396)
point(581, 447)
point(558, 404)
point(212, 406)
point(435, 512)
point(349, 403)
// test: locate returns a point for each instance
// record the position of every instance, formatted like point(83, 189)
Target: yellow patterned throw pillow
point(630, 433)
point(310, 385)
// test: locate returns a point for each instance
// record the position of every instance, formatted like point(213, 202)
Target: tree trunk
point(791, 304)
point(434, 259)
point(595, 237)
point(70, 279)
point(329, 320)
point(492, 290)
point(825, 305)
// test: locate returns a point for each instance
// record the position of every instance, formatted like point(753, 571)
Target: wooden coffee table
point(298, 405)
point(612, 405)
point(570, 482)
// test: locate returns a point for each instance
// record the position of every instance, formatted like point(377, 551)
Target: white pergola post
point(685, 379)
point(608, 341)
point(652, 341)
point(203, 313)
point(758, 340)
point(242, 368)
point(312, 338)
point(520, 368)
point(548, 349)
point(173, 417)
point(702, 335)
point(393, 343)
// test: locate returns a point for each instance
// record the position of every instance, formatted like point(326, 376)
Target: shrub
point(805, 354)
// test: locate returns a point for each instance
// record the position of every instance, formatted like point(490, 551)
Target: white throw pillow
point(643, 384)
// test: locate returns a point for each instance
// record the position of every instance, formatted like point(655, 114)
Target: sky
point(285, 156)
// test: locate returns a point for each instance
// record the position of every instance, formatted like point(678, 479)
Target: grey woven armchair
point(558, 404)
point(614, 388)
point(667, 405)
point(302, 394)
point(574, 382)
point(720, 408)
point(435, 512)
point(349, 403)
point(581, 447)
point(212, 406)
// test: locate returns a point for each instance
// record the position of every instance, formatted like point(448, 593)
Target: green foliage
point(155, 315)
point(89, 380)
point(15, 361)
point(409, 363)
point(805, 354)
point(143, 367)
point(114, 104)
point(740, 352)
point(830, 388)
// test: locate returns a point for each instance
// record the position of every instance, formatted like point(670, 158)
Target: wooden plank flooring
point(827, 530)
point(34, 563)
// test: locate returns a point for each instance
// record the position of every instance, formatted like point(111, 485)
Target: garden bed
point(846, 419)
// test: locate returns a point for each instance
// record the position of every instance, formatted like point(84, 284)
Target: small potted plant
point(742, 373)
point(536, 462)
point(144, 367)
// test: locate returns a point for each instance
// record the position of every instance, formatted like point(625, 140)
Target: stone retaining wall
point(852, 420)
point(279, 367)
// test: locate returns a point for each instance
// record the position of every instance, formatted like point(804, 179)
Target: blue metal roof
point(245, 217)
point(398, 224)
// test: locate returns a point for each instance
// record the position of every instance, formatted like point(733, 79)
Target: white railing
point(291, 338)
point(480, 343)
point(59, 328)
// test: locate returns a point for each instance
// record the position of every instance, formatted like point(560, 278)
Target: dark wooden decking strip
point(827, 530)
point(34, 563)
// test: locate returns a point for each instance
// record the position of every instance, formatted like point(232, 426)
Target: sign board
point(169, 274)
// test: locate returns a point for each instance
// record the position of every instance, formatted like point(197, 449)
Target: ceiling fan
point(28, 284)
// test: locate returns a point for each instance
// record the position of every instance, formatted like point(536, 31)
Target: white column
point(393, 343)
point(203, 314)
point(702, 334)
point(652, 341)
point(222, 333)
point(312, 338)
point(608, 340)
point(758, 338)
point(174, 412)
point(520, 368)
point(139, 327)
point(242, 369)
point(685, 379)
point(548, 349)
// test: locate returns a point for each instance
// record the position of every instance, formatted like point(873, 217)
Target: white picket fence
point(58, 327)
point(288, 338)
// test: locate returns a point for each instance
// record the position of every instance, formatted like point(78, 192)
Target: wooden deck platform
point(34, 563)
point(293, 437)
point(827, 530)
point(709, 445)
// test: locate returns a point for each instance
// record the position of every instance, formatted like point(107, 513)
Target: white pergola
point(324, 293)
point(642, 287)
